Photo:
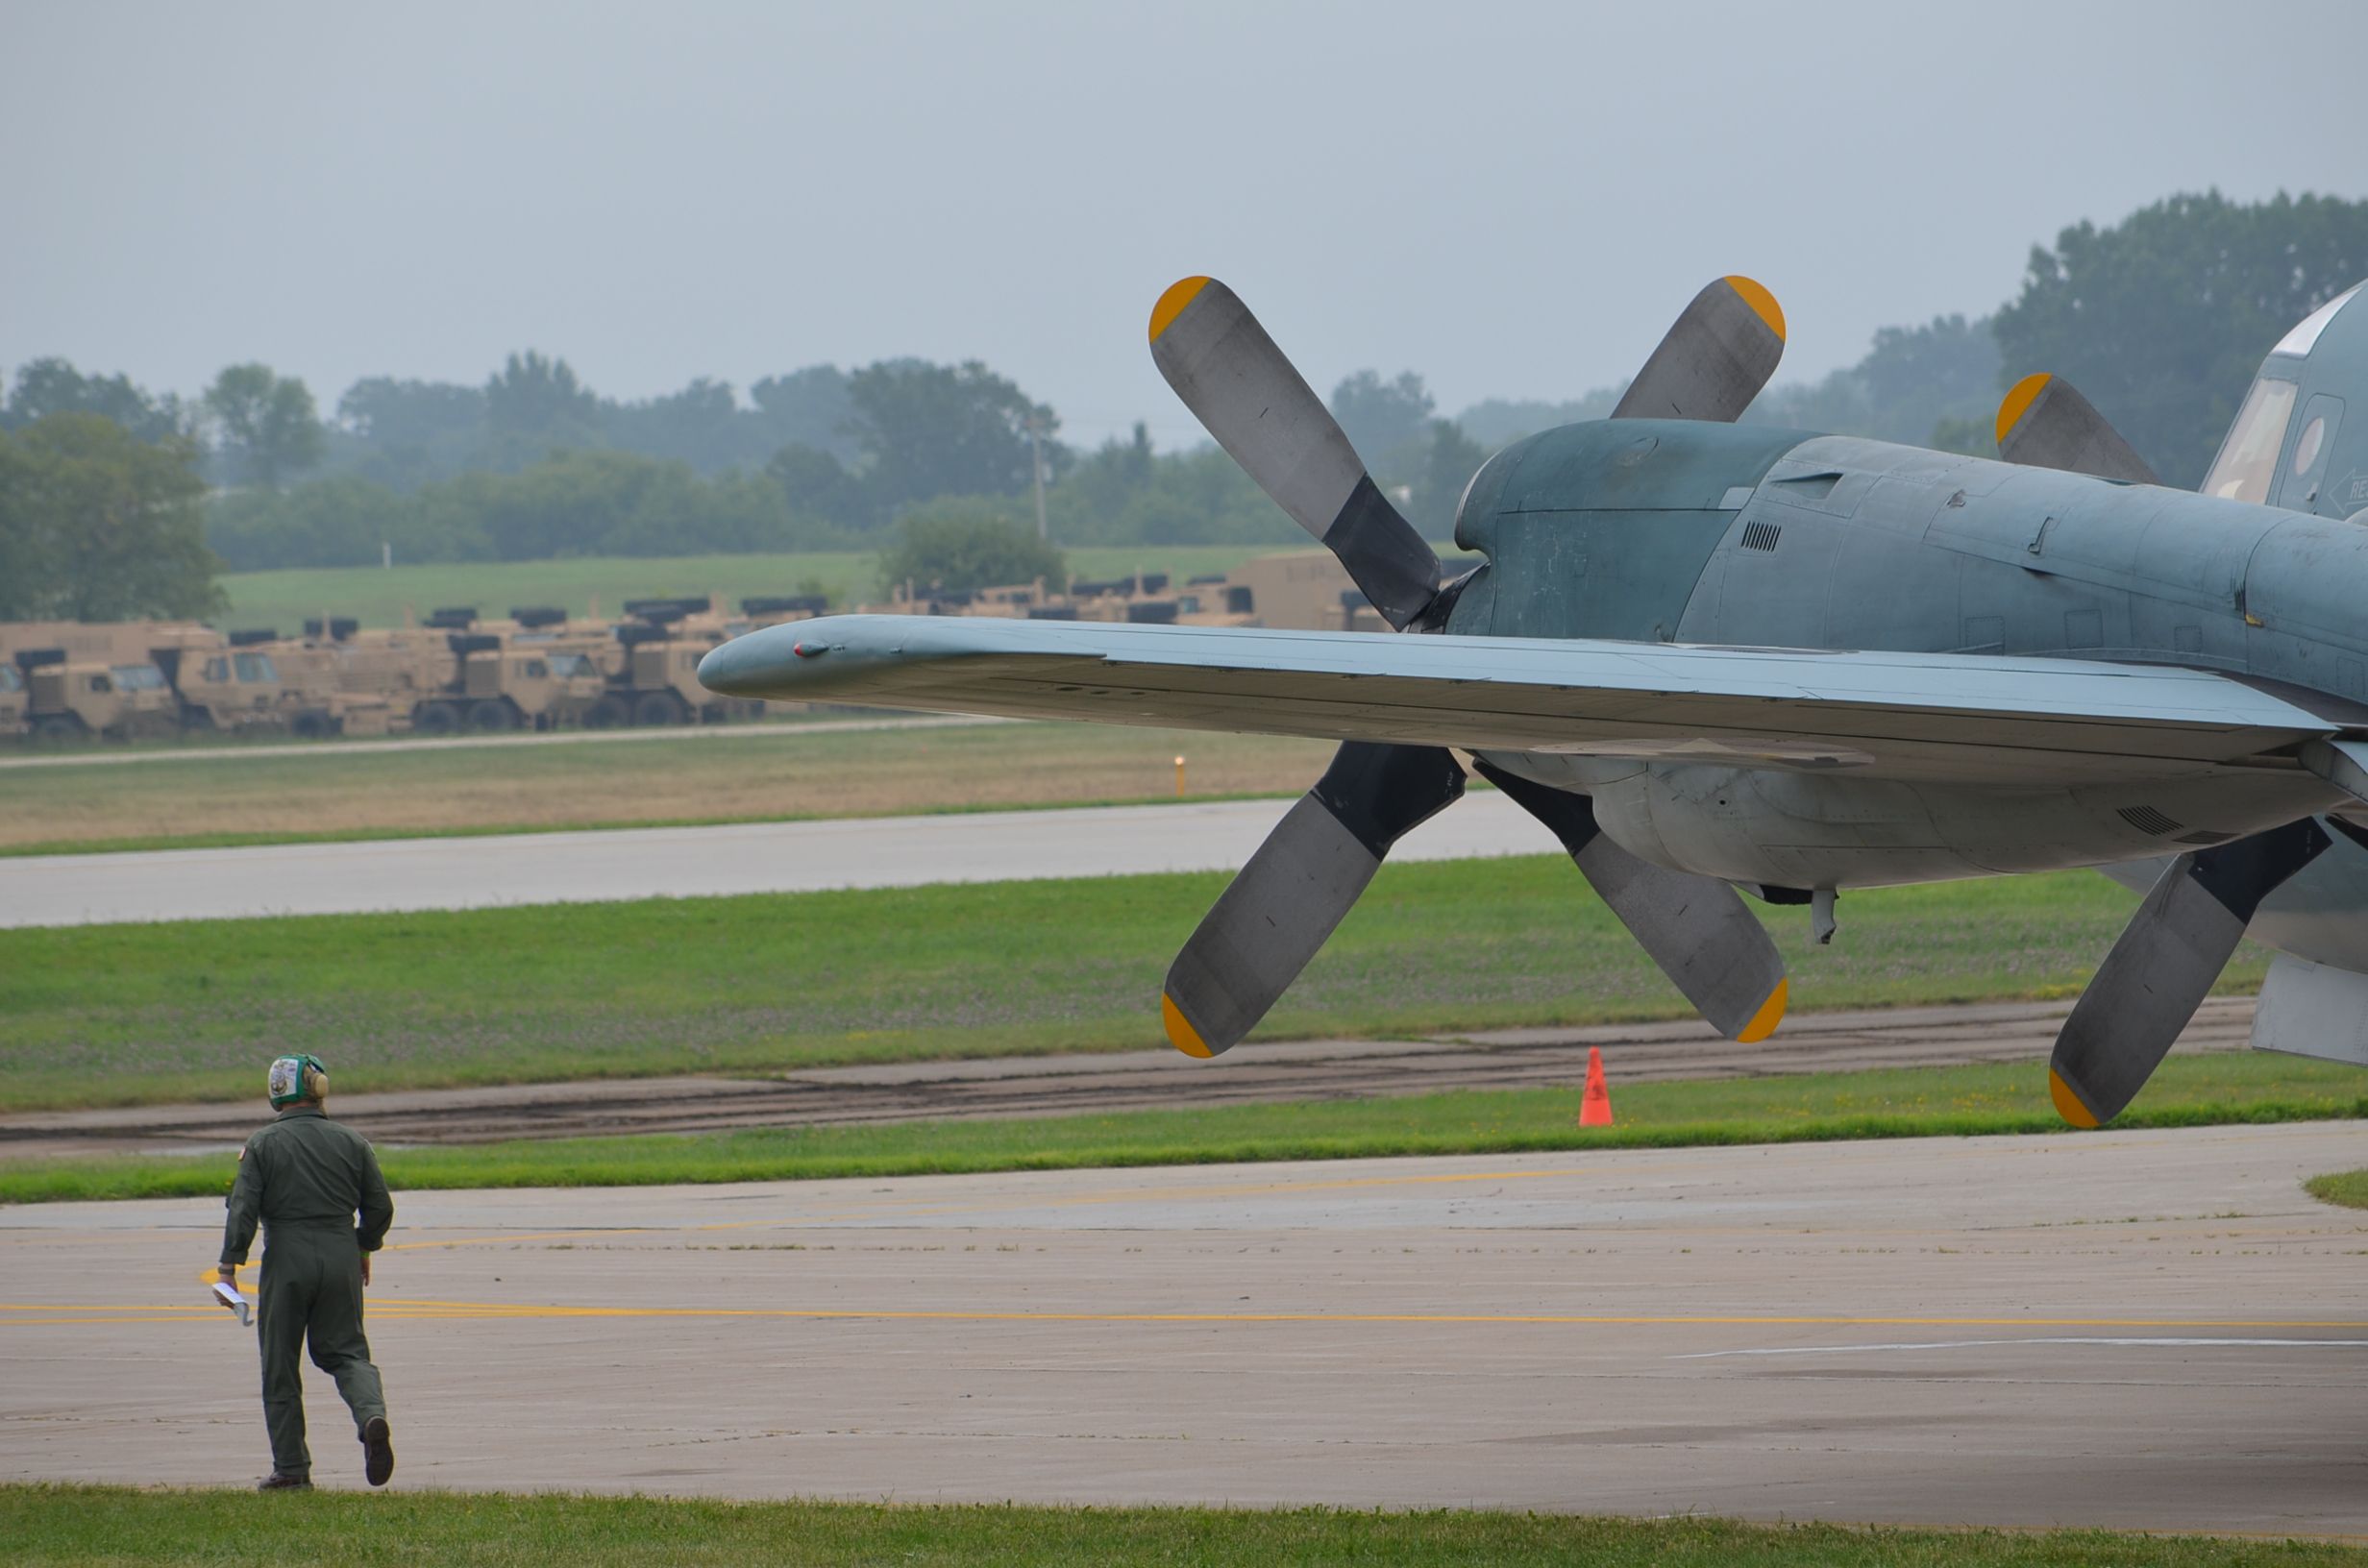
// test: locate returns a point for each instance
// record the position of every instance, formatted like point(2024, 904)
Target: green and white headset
point(292, 1080)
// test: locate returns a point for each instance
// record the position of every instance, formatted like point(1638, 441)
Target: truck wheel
point(310, 726)
point(608, 713)
point(437, 719)
point(57, 727)
point(491, 718)
point(658, 709)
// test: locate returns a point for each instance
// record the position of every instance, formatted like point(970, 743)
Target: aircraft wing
point(1907, 714)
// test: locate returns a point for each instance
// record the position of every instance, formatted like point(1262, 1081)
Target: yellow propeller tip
point(2068, 1103)
point(1763, 302)
point(1771, 1014)
point(1180, 1032)
point(2018, 402)
point(1181, 293)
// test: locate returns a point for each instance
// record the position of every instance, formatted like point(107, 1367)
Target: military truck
point(455, 674)
point(12, 702)
point(255, 680)
point(77, 699)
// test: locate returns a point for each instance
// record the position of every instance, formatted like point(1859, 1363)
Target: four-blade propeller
point(1296, 888)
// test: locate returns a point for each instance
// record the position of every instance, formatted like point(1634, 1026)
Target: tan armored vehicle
point(452, 676)
point(71, 699)
point(12, 702)
point(654, 665)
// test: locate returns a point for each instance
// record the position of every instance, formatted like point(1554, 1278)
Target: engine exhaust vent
point(2147, 820)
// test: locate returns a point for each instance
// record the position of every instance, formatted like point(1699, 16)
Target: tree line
point(2161, 319)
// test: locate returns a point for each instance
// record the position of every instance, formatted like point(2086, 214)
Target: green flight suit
point(307, 1179)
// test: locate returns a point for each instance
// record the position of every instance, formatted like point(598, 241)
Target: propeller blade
point(2045, 422)
point(2163, 965)
point(1284, 904)
point(1244, 390)
point(1698, 929)
point(1722, 350)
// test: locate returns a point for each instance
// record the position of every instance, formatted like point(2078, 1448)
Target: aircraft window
point(217, 670)
point(2306, 450)
point(139, 677)
point(256, 669)
point(2249, 460)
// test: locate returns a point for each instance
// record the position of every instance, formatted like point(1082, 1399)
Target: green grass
point(2348, 1187)
point(135, 1013)
point(1902, 1102)
point(655, 778)
point(378, 596)
point(51, 1525)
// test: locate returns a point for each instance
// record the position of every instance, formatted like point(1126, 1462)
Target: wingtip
point(1179, 294)
point(1771, 1014)
point(2018, 401)
point(2068, 1103)
point(1180, 1032)
point(1763, 302)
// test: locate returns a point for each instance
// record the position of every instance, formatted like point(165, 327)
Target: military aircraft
point(1720, 659)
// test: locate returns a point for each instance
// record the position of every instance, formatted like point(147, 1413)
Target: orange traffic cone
point(1595, 1104)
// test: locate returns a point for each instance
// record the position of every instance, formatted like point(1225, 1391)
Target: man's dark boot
point(277, 1483)
point(378, 1449)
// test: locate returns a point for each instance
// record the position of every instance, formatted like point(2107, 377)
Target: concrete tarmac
point(2153, 1330)
point(694, 862)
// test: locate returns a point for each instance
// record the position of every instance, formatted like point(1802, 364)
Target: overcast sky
point(1512, 199)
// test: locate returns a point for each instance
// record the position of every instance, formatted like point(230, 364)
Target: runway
point(2153, 1330)
point(692, 862)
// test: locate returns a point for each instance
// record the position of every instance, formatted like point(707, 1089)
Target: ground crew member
point(307, 1179)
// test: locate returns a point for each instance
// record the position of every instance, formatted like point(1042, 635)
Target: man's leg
point(340, 1347)
point(283, 1305)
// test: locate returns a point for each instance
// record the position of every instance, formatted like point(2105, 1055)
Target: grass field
point(378, 596)
point(2349, 1188)
point(1906, 1102)
point(361, 790)
point(56, 1524)
point(127, 1013)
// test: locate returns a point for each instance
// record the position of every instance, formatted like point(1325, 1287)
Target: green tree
point(963, 543)
point(926, 431)
point(1387, 421)
point(2163, 318)
point(534, 405)
point(816, 484)
point(53, 386)
point(1449, 461)
point(97, 525)
point(267, 425)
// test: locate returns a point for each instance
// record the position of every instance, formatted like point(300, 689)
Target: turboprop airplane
point(1719, 660)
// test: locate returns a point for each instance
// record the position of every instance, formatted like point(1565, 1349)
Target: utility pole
point(1036, 461)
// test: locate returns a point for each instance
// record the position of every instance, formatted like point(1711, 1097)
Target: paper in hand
point(228, 1295)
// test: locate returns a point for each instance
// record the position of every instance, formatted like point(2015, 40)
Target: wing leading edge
point(1907, 714)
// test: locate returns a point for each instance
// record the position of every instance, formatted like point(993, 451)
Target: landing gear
point(1821, 915)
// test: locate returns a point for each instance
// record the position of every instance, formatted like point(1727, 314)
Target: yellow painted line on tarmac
point(439, 1309)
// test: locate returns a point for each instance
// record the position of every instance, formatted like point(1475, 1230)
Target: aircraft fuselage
point(1743, 535)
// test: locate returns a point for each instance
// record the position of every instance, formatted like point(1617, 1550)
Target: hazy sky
point(1512, 199)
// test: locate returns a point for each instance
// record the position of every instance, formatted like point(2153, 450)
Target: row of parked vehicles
point(535, 668)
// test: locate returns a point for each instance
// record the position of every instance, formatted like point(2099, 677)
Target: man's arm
point(246, 1208)
point(378, 1205)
